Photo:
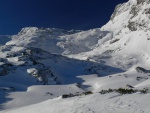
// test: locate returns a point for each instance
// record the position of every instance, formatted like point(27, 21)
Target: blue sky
point(65, 14)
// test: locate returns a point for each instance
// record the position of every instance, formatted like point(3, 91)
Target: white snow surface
point(38, 66)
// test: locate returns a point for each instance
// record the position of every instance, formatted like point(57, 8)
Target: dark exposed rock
point(142, 70)
point(147, 11)
point(5, 69)
point(43, 75)
point(11, 55)
point(134, 11)
point(77, 94)
point(132, 26)
point(124, 91)
point(141, 1)
point(115, 11)
point(67, 95)
point(129, 86)
point(113, 41)
point(141, 78)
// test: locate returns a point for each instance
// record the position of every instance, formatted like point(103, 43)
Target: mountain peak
point(133, 15)
point(28, 30)
point(137, 2)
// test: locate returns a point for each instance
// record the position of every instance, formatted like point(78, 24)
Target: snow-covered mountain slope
point(99, 70)
point(60, 41)
point(130, 25)
point(24, 67)
point(45, 39)
point(129, 44)
point(90, 104)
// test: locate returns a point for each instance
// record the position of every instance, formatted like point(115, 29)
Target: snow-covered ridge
point(44, 38)
point(60, 41)
point(133, 15)
point(130, 25)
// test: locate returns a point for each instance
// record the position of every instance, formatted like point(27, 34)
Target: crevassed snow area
point(49, 70)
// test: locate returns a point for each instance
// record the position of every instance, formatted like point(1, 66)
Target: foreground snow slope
point(38, 66)
point(38, 99)
point(96, 103)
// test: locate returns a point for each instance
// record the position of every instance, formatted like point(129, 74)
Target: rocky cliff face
point(133, 15)
point(130, 25)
